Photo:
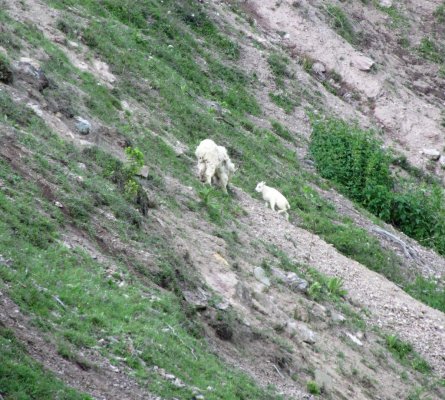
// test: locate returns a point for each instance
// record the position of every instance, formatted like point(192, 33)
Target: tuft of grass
point(279, 65)
point(341, 24)
point(283, 101)
point(313, 388)
point(429, 50)
point(281, 131)
point(439, 13)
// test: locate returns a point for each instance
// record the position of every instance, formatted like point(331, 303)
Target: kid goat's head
point(259, 187)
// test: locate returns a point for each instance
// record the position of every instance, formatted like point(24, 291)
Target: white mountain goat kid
point(214, 165)
point(274, 198)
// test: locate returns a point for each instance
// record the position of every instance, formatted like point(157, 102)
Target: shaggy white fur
point(214, 164)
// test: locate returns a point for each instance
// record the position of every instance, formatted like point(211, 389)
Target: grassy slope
point(164, 54)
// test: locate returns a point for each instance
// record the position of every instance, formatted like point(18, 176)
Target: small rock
point(431, 154)
point(296, 283)
point(260, 275)
point(73, 45)
point(58, 204)
point(306, 334)
point(178, 383)
point(29, 71)
point(318, 68)
point(82, 125)
point(224, 305)
point(362, 63)
point(143, 171)
point(82, 166)
point(5, 261)
point(385, 3)
point(114, 369)
point(36, 109)
point(337, 317)
point(354, 339)
point(279, 274)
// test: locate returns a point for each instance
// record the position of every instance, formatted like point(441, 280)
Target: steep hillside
point(122, 276)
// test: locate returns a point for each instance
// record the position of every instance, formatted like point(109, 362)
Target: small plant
point(279, 66)
point(404, 352)
point(431, 51)
point(284, 101)
point(439, 13)
point(341, 24)
point(313, 388)
point(315, 290)
point(5, 70)
point(335, 287)
point(281, 131)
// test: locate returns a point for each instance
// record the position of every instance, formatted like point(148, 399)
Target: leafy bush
point(354, 159)
point(313, 388)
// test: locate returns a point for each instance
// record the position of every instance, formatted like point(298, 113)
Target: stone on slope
point(431, 154)
point(29, 71)
point(82, 125)
point(260, 275)
point(362, 63)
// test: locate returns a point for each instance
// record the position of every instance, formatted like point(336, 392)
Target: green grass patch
point(23, 378)
point(341, 24)
point(431, 51)
point(439, 13)
point(284, 101)
point(404, 352)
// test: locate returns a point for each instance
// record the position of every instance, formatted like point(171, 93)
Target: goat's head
point(259, 187)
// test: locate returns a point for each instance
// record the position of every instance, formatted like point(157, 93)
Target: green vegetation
point(404, 352)
point(22, 378)
point(173, 61)
point(439, 13)
point(283, 101)
point(313, 388)
point(279, 66)
point(341, 23)
point(354, 159)
point(397, 19)
point(429, 50)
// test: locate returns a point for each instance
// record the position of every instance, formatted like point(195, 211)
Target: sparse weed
point(429, 50)
point(313, 388)
point(404, 352)
point(341, 23)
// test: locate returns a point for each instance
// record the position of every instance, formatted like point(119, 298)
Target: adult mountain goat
point(214, 165)
point(274, 198)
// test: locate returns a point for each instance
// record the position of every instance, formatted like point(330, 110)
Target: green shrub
point(313, 388)
point(354, 159)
